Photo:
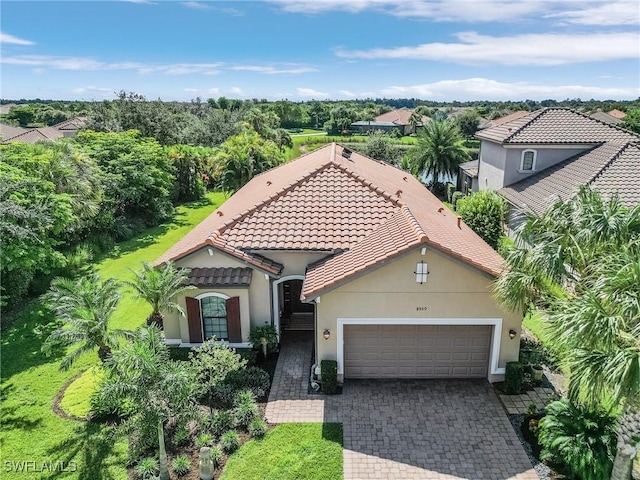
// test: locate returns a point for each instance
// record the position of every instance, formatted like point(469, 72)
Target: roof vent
point(268, 182)
point(398, 193)
point(404, 178)
point(346, 153)
point(459, 220)
point(219, 213)
point(441, 209)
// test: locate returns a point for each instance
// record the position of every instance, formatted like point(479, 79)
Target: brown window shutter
point(194, 317)
point(233, 320)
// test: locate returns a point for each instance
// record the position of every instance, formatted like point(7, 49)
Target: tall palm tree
point(439, 151)
point(579, 263)
point(85, 307)
point(415, 120)
point(159, 287)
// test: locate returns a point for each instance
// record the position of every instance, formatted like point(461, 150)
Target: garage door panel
point(416, 351)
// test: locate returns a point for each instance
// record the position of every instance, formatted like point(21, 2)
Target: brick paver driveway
point(427, 429)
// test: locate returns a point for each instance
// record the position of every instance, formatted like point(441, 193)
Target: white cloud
point(236, 91)
point(526, 49)
point(616, 13)
point(191, 90)
point(95, 91)
point(214, 91)
point(7, 38)
point(271, 70)
point(197, 5)
point(347, 94)
point(487, 89)
point(90, 64)
point(310, 93)
point(586, 12)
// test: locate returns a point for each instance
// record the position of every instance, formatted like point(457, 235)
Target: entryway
point(293, 313)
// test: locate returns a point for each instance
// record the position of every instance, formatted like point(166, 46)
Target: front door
point(292, 303)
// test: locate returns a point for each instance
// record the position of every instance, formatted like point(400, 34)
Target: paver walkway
point(423, 429)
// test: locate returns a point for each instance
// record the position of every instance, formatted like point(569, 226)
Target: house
point(393, 284)
point(505, 119)
point(617, 114)
point(68, 128)
point(607, 118)
point(399, 120)
point(549, 154)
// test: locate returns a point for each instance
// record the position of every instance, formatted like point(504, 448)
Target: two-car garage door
point(416, 351)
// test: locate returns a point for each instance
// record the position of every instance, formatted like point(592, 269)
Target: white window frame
point(533, 163)
point(205, 295)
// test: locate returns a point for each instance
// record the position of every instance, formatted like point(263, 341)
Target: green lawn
point(533, 322)
point(29, 381)
point(291, 451)
point(77, 398)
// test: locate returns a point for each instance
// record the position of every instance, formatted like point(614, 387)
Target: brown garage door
point(416, 351)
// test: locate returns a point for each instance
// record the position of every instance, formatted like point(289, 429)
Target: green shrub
point(254, 379)
point(484, 212)
point(216, 456)
point(146, 468)
point(221, 421)
point(245, 413)
point(243, 396)
point(257, 427)
point(450, 188)
point(583, 441)
point(263, 337)
point(249, 355)
point(182, 435)
point(329, 375)
point(230, 441)
point(212, 362)
point(455, 197)
point(181, 465)
point(204, 440)
point(513, 378)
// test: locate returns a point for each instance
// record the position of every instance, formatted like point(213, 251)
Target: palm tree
point(439, 151)
point(85, 307)
point(415, 120)
point(157, 388)
point(579, 263)
point(159, 287)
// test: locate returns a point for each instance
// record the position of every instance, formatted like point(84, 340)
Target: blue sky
point(439, 50)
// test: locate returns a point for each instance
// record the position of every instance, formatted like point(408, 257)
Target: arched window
point(528, 161)
point(214, 316)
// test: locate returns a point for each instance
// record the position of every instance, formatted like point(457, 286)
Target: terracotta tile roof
point(507, 118)
point(556, 126)
point(470, 168)
point(617, 113)
point(220, 277)
point(400, 116)
point(606, 118)
point(325, 201)
point(34, 135)
point(609, 168)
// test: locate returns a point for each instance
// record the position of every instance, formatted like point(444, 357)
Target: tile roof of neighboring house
point(617, 113)
point(400, 116)
point(507, 118)
point(470, 168)
point(555, 126)
point(351, 205)
point(610, 168)
point(366, 123)
point(33, 135)
point(72, 124)
point(8, 131)
point(605, 117)
point(220, 277)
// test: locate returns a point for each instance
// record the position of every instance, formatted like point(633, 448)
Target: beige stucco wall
point(453, 290)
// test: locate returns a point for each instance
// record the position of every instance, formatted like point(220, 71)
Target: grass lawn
point(29, 429)
point(77, 398)
point(533, 322)
point(290, 451)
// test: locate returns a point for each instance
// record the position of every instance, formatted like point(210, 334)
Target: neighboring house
point(68, 128)
point(505, 119)
point(467, 180)
point(4, 109)
point(548, 154)
point(607, 118)
point(393, 284)
point(617, 114)
point(399, 119)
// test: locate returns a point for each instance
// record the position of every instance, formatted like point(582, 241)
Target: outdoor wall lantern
point(421, 272)
point(512, 334)
point(326, 334)
point(211, 251)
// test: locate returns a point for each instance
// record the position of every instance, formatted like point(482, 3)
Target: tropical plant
point(484, 212)
point(583, 441)
point(204, 440)
point(220, 422)
point(230, 441)
point(146, 469)
point(439, 152)
point(84, 308)
point(264, 336)
point(181, 465)
point(379, 146)
point(257, 428)
point(157, 388)
point(216, 456)
point(254, 379)
point(159, 287)
point(245, 412)
point(415, 120)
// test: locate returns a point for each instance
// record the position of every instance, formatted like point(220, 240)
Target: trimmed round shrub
point(243, 396)
point(146, 469)
point(181, 465)
point(230, 441)
point(257, 427)
point(254, 379)
point(221, 421)
point(245, 413)
point(204, 440)
point(225, 394)
point(513, 376)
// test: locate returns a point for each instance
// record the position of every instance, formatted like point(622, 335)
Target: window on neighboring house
point(214, 317)
point(528, 161)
